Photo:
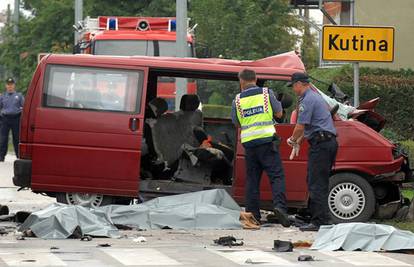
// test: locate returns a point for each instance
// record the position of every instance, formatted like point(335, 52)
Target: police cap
point(298, 77)
point(10, 80)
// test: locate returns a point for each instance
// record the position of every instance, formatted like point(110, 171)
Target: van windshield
point(138, 48)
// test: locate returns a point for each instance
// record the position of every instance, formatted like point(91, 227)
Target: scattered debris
point(28, 233)
point(302, 244)
point(86, 238)
point(104, 245)
point(20, 237)
point(228, 241)
point(306, 258)
point(140, 239)
point(21, 216)
point(248, 221)
point(362, 236)
point(4, 210)
point(3, 231)
point(282, 246)
point(54, 248)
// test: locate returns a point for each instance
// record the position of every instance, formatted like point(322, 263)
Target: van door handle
point(133, 124)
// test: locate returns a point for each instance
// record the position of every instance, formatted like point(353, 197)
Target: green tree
point(238, 29)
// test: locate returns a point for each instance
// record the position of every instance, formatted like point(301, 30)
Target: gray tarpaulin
point(211, 209)
point(362, 236)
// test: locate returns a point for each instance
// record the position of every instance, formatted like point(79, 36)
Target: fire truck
point(135, 36)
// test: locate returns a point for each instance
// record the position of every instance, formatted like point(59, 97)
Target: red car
point(94, 132)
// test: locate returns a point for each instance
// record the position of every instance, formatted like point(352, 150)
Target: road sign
point(358, 43)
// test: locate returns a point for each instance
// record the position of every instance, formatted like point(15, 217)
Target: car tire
point(88, 200)
point(351, 198)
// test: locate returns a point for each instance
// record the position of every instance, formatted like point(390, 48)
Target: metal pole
point(78, 17)
point(16, 15)
point(356, 64)
point(181, 47)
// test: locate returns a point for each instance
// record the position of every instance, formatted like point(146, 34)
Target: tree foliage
point(236, 29)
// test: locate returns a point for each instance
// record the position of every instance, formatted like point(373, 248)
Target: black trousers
point(9, 123)
point(266, 158)
point(321, 158)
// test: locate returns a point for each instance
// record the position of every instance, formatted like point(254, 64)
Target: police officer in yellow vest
point(253, 111)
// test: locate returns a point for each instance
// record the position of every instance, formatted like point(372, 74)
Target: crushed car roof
point(282, 65)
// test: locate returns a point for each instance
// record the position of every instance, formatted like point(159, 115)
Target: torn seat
point(171, 130)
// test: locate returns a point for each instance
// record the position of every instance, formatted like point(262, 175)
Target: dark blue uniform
point(11, 105)
point(321, 134)
point(262, 155)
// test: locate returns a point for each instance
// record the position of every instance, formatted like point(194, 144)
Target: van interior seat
point(171, 130)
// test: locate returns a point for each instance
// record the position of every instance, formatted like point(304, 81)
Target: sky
point(3, 4)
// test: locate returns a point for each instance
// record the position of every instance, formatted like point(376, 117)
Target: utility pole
point(16, 15)
point(181, 47)
point(78, 17)
point(356, 64)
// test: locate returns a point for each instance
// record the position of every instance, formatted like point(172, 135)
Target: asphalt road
point(165, 247)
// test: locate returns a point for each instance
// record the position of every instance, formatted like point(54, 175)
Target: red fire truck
point(141, 36)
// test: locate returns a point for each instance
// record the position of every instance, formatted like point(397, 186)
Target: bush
point(395, 88)
point(408, 146)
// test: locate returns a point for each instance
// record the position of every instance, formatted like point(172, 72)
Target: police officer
point(253, 111)
point(11, 105)
point(316, 125)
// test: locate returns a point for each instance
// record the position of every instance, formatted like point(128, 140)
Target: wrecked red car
point(94, 132)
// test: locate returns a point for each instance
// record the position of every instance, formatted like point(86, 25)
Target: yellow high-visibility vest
point(255, 115)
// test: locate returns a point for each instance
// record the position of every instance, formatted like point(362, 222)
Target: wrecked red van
point(94, 132)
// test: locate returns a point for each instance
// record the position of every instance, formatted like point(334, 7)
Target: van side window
point(92, 88)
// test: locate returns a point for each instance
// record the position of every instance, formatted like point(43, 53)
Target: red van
point(94, 132)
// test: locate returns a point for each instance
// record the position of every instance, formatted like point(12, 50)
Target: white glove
point(290, 142)
point(295, 151)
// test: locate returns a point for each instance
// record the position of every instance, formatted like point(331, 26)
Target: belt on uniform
point(321, 136)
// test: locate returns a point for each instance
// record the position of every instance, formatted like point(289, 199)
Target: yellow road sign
point(358, 43)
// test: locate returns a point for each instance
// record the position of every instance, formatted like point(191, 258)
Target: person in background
point(253, 111)
point(11, 106)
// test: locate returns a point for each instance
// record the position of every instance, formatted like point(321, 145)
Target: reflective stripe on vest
point(255, 115)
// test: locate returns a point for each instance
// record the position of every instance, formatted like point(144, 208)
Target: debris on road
point(104, 245)
point(86, 238)
point(362, 236)
point(140, 239)
point(306, 258)
point(228, 241)
point(4, 210)
point(248, 221)
point(282, 246)
point(302, 244)
point(210, 209)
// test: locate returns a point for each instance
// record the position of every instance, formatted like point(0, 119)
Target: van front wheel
point(84, 199)
point(351, 198)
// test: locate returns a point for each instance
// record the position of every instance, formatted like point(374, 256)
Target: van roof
point(278, 66)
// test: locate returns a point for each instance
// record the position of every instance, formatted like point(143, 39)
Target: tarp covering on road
point(211, 209)
point(362, 236)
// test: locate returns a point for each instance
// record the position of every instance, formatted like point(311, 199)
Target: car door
point(88, 130)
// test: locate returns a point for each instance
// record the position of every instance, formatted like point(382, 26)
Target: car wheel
point(84, 199)
point(351, 198)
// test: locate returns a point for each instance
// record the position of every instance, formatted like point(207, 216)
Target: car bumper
point(22, 173)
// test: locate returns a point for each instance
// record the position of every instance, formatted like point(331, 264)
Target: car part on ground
point(228, 241)
point(351, 198)
point(282, 246)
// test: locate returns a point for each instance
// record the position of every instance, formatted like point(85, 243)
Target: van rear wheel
point(351, 198)
point(84, 199)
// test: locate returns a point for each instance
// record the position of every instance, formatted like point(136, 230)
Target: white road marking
point(256, 257)
point(359, 258)
point(30, 257)
point(140, 256)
